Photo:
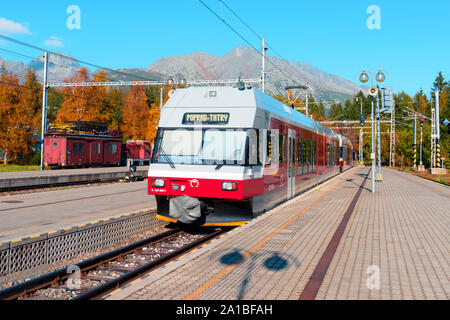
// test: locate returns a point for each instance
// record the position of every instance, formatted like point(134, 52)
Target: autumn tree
point(16, 120)
point(83, 103)
point(113, 108)
point(135, 114)
point(31, 97)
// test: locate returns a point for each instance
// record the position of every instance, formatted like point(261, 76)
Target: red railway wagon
point(138, 152)
point(70, 150)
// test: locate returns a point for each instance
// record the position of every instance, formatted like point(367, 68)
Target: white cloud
point(9, 26)
point(54, 42)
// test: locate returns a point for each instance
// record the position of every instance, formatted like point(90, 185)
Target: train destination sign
point(206, 118)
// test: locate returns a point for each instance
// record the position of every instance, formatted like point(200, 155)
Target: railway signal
point(361, 120)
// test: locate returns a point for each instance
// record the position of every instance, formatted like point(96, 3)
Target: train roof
point(248, 108)
point(75, 135)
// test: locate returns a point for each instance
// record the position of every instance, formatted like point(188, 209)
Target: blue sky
point(412, 43)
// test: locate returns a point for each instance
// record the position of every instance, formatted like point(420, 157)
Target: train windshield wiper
point(167, 157)
point(232, 155)
point(220, 166)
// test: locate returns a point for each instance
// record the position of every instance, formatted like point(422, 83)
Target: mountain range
point(241, 61)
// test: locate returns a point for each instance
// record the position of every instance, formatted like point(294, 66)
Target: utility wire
point(73, 59)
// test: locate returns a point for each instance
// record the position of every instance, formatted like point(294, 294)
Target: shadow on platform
point(270, 260)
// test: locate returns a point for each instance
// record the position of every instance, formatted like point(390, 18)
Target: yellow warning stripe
point(205, 286)
point(218, 224)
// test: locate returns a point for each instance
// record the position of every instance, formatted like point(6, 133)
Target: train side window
point(55, 144)
point(299, 152)
point(81, 148)
point(108, 148)
point(114, 148)
point(302, 143)
point(308, 156)
point(292, 151)
point(75, 148)
point(312, 155)
point(282, 148)
point(269, 148)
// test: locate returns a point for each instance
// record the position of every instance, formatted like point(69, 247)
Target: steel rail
point(109, 286)
point(60, 275)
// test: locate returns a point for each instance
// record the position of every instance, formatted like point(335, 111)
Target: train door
point(56, 152)
point(291, 164)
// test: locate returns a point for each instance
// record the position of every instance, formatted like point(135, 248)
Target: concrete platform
point(23, 179)
point(31, 214)
point(338, 241)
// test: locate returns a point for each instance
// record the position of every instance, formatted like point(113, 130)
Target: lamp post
point(373, 91)
point(361, 153)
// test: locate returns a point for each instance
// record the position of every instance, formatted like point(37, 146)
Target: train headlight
point(158, 183)
point(229, 186)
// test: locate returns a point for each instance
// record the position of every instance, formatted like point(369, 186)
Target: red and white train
point(223, 156)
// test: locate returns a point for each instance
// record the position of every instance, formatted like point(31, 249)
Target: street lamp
point(373, 91)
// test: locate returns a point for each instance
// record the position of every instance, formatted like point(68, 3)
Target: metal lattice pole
point(433, 140)
point(44, 110)
point(438, 135)
point(392, 140)
point(415, 142)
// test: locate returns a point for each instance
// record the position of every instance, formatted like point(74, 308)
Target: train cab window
point(75, 148)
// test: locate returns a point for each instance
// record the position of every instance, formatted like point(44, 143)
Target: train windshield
point(201, 146)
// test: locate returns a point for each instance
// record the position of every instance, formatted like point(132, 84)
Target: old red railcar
point(75, 150)
point(138, 152)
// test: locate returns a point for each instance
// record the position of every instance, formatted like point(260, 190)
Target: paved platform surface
point(30, 214)
point(63, 172)
point(339, 238)
point(23, 179)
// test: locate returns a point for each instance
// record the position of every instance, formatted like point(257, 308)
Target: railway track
point(95, 277)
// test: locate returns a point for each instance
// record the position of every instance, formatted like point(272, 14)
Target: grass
point(15, 168)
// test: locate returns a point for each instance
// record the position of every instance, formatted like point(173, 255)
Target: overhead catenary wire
point(291, 77)
point(244, 39)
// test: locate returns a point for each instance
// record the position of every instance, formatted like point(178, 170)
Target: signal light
point(422, 120)
point(361, 120)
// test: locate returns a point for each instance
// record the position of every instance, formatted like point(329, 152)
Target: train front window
point(202, 146)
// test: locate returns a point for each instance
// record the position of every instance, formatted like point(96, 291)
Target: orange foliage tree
point(83, 103)
point(16, 120)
